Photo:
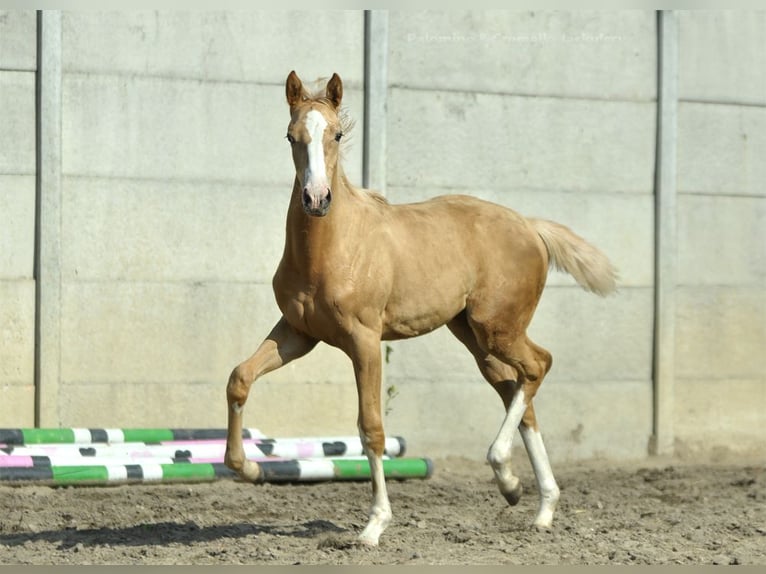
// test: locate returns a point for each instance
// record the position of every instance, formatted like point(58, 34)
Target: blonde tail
point(571, 253)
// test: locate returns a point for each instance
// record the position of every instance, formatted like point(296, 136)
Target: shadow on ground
point(162, 533)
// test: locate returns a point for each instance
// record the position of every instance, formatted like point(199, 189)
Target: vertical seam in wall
point(38, 189)
point(47, 256)
point(374, 123)
point(375, 99)
point(666, 248)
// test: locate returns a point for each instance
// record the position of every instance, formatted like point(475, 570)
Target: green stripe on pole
point(200, 471)
point(147, 435)
point(393, 468)
point(44, 436)
point(75, 474)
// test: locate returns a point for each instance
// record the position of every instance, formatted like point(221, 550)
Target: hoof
point(513, 496)
point(367, 542)
point(544, 519)
point(251, 472)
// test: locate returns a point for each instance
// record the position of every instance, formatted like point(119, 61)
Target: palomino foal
point(357, 270)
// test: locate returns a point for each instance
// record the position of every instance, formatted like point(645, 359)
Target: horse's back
point(468, 226)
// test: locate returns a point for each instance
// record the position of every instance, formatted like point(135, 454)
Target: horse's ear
point(293, 89)
point(335, 90)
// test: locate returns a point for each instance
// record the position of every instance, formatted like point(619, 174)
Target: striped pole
point(308, 470)
point(26, 436)
point(319, 447)
point(108, 455)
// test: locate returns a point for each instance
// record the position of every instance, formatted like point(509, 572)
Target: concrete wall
point(174, 181)
point(18, 62)
point(720, 389)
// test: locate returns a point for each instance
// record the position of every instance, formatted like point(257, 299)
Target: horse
point(357, 270)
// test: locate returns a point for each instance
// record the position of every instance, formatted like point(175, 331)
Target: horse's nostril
point(329, 195)
point(306, 197)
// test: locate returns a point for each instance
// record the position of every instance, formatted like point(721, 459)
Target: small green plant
point(391, 393)
point(391, 390)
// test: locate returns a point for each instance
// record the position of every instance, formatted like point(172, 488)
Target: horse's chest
point(309, 310)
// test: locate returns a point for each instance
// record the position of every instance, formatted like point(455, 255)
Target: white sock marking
point(500, 451)
point(546, 483)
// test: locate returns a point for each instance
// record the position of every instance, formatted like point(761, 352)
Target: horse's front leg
point(366, 357)
point(281, 346)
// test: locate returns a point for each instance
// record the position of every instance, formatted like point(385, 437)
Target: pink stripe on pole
point(220, 459)
point(305, 449)
point(193, 442)
point(18, 461)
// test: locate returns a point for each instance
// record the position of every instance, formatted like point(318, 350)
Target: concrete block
point(18, 40)
point(591, 339)
point(596, 339)
point(329, 407)
point(604, 419)
point(720, 333)
point(315, 408)
point(155, 128)
point(250, 46)
point(17, 226)
point(17, 116)
point(149, 230)
point(721, 149)
point(444, 417)
point(17, 404)
point(17, 332)
point(719, 418)
point(722, 56)
point(170, 332)
point(721, 240)
point(583, 54)
point(620, 224)
point(474, 140)
point(146, 403)
point(435, 358)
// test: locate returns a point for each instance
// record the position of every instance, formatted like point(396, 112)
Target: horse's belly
point(420, 315)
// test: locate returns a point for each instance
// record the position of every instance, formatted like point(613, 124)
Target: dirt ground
point(650, 513)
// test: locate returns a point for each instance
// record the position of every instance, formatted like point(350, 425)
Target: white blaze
point(316, 173)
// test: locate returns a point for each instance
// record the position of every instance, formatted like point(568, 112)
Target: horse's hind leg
point(516, 379)
point(281, 346)
point(503, 379)
point(532, 363)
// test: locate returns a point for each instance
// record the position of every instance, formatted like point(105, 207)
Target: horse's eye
point(290, 138)
point(338, 136)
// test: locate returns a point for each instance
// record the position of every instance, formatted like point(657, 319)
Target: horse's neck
point(312, 243)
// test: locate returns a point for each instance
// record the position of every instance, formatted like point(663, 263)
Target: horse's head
point(314, 133)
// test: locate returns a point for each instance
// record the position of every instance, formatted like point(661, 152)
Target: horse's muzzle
point(316, 205)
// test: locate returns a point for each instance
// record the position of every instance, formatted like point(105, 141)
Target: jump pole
point(75, 435)
point(318, 447)
point(272, 471)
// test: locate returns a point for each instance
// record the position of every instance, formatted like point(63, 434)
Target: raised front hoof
point(514, 495)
